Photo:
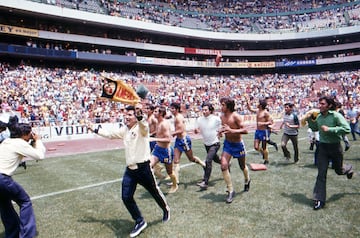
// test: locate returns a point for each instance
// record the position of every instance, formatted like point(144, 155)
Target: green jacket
point(337, 124)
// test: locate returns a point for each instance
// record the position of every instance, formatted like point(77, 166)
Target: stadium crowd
point(223, 16)
point(58, 96)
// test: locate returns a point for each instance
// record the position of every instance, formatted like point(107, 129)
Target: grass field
point(79, 196)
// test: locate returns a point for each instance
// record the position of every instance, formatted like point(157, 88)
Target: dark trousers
point(143, 176)
point(294, 140)
point(24, 224)
point(211, 156)
point(354, 129)
point(328, 152)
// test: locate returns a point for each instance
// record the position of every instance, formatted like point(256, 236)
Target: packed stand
point(223, 16)
point(56, 96)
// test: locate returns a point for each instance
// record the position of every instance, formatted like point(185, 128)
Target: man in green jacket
point(331, 126)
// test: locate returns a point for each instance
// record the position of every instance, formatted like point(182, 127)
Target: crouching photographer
point(12, 151)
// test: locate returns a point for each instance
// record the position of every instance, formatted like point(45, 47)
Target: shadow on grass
point(298, 198)
point(118, 226)
point(302, 199)
point(338, 196)
point(282, 163)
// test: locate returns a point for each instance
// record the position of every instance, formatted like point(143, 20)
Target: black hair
point(3, 126)
point(16, 129)
point(229, 102)
point(162, 111)
point(130, 108)
point(209, 105)
point(176, 106)
point(330, 101)
point(289, 104)
point(263, 103)
point(13, 127)
point(23, 129)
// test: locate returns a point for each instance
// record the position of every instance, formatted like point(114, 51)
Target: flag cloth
point(117, 90)
point(256, 167)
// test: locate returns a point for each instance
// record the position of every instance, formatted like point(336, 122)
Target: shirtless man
point(263, 121)
point(183, 141)
point(163, 152)
point(149, 111)
point(152, 121)
point(232, 128)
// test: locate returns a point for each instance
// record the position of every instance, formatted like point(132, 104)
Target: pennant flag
point(117, 90)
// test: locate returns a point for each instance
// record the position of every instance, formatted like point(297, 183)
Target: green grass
point(79, 196)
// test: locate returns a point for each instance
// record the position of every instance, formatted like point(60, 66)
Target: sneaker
point(230, 197)
point(138, 228)
point(347, 147)
point(166, 216)
point(200, 182)
point(266, 161)
point(203, 185)
point(247, 186)
point(350, 173)
point(318, 204)
point(311, 146)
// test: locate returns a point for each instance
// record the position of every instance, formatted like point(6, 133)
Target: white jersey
point(209, 127)
point(137, 148)
point(13, 150)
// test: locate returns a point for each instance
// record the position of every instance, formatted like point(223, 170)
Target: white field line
point(103, 183)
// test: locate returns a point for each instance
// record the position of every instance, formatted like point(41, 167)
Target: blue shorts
point(184, 144)
point(236, 150)
point(261, 135)
point(165, 155)
point(152, 145)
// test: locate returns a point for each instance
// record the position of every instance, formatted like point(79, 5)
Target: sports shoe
point(138, 228)
point(230, 197)
point(347, 147)
point(203, 185)
point(199, 183)
point(350, 173)
point(318, 204)
point(166, 216)
point(311, 146)
point(247, 186)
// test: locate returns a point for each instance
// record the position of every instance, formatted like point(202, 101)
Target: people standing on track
point(12, 151)
point(232, 128)
point(208, 126)
point(182, 141)
point(135, 135)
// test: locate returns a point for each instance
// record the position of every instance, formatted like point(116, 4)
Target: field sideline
point(79, 196)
